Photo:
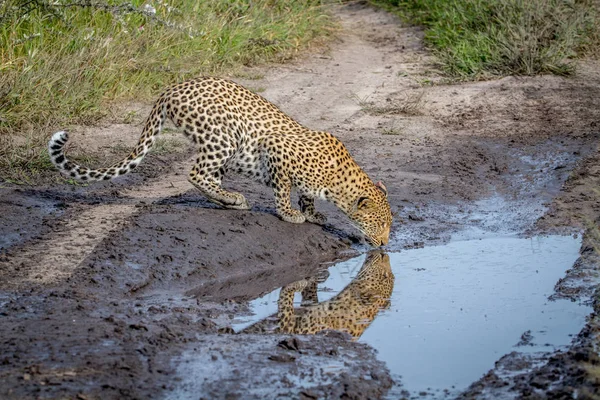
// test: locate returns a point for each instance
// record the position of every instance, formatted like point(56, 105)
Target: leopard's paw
point(316, 218)
point(239, 202)
point(293, 216)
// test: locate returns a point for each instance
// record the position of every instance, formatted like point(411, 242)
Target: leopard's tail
point(73, 170)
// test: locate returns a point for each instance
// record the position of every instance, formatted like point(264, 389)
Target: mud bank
point(112, 324)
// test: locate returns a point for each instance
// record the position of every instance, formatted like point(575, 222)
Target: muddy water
point(457, 308)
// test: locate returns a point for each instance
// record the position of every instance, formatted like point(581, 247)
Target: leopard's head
point(371, 214)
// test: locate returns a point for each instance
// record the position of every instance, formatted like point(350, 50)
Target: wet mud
point(132, 288)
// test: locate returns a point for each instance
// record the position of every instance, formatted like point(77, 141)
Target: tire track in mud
point(57, 255)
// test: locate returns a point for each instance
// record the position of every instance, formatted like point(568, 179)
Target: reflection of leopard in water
point(352, 310)
point(237, 130)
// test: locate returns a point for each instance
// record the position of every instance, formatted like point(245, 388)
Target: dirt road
point(127, 289)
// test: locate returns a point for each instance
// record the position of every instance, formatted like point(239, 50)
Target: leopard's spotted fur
point(237, 130)
point(352, 310)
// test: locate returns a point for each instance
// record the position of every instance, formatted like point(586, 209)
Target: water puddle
point(454, 309)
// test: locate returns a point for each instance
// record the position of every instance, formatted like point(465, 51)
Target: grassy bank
point(481, 38)
point(62, 62)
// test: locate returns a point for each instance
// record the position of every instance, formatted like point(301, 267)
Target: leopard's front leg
point(282, 188)
point(307, 207)
point(276, 166)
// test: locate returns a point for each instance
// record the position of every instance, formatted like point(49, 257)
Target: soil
point(127, 289)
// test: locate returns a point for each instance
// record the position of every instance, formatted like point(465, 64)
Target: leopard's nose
point(385, 237)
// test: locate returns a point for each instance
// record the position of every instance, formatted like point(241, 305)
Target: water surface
point(457, 308)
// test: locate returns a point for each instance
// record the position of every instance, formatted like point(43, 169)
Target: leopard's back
point(227, 121)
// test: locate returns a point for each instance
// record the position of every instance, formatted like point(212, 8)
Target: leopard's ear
point(382, 187)
point(363, 203)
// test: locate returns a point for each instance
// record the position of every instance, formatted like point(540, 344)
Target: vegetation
point(63, 61)
point(480, 38)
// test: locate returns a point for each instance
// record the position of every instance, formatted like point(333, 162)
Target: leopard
point(351, 311)
point(236, 130)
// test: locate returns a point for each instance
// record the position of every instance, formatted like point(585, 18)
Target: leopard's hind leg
point(282, 188)
point(285, 305)
point(207, 173)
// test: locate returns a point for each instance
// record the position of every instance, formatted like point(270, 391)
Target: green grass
point(476, 39)
point(23, 159)
point(63, 62)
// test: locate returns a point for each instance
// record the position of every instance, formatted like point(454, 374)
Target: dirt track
point(127, 289)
